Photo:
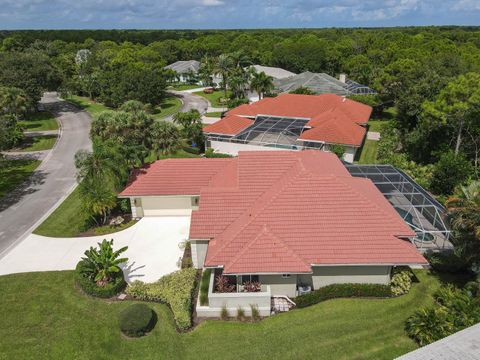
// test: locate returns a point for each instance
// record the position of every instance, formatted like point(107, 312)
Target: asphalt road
point(190, 101)
point(26, 207)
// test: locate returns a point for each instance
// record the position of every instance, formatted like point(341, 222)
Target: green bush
point(401, 281)
point(175, 289)
point(90, 287)
point(136, 320)
point(209, 153)
point(343, 291)
point(204, 284)
point(447, 263)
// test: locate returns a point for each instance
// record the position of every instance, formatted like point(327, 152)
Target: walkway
point(24, 208)
point(153, 249)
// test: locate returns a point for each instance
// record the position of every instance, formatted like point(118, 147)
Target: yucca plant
point(103, 263)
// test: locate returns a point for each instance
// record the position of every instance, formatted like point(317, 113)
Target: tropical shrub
point(174, 289)
point(448, 263)
point(255, 312)
point(222, 285)
point(113, 287)
point(455, 309)
point(343, 291)
point(401, 281)
point(337, 149)
point(450, 170)
point(100, 265)
point(240, 314)
point(210, 153)
point(252, 286)
point(204, 284)
point(136, 320)
point(224, 315)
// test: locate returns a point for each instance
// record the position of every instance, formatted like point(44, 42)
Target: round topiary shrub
point(136, 320)
point(90, 287)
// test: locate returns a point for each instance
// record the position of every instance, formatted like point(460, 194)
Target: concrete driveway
point(190, 101)
point(32, 201)
point(153, 249)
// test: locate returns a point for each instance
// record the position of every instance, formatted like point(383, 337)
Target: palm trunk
point(459, 136)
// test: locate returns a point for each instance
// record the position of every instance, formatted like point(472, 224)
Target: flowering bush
point(401, 281)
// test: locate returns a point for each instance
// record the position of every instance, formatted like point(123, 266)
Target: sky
point(228, 14)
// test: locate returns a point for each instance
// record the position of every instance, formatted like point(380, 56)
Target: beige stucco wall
point(326, 275)
point(279, 285)
point(199, 252)
point(164, 205)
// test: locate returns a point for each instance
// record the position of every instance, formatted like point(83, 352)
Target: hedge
point(136, 320)
point(175, 289)
point(91, 288)
point(204, 284)
point(343, 291)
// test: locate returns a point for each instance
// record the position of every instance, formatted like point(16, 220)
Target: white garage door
point(162, 206)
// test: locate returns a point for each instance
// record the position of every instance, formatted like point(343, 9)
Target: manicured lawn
point(213, 114)
point(180, 87)
point(369, 152)
point(38, 143)
point(169, 106)
point(213, 98)
point(92, 107)
point(54, 321)
point(40, 121)
point(67, 220)
point(377, 125)
point(13, 172)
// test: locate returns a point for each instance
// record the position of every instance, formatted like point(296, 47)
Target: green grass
point(14, 172)
point(92, 107)
point(369, 152)
point(213, 98)
point(67, 220)
point(377, 125)
point(180, 87)
point(38, 143)
point(170, 105)
point(40, 121)
point(53, 320)
point(213, 114)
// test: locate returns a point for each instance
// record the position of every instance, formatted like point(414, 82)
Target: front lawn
point(40, 121)
point(54, 321)
point(14, 172)
point(38, 143)
point(170, 105)
point(180, 87)
point(92, 107)
point(214, 114)
point(214, 98)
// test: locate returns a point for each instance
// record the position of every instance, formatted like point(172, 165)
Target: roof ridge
point(265, 231)
point(262, 202)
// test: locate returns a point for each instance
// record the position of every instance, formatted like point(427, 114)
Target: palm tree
point(13, 101)
point(223, 67)
point(100, 265)
point(165, 138)
point(464, 216)
point(206, 70)
point(261, 83)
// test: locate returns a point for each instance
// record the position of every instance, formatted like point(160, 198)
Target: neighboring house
point(462, 345)
point(274, 72)
point(294, 122)
point(321, 83)
point(185, 69)
point(290, 222)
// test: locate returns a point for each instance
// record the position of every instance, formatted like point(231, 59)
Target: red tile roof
point(174, 177)
point(282, 211)
point(229, 125)
point(334, 119)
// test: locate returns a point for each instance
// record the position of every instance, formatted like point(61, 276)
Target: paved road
point(190, 101)
point(22, 210)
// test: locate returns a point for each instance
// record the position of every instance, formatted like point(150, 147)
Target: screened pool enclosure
point(424, 214)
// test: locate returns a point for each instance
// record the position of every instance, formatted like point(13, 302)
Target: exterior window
point(285, 276)
point(245, 278)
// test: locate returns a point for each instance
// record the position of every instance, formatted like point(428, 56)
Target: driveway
point(190, 101)
point(24, 208)
point(153, 249)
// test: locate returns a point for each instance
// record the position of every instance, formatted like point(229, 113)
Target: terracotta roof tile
point(229, 125)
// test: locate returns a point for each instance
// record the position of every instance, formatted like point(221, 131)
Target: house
point(186, 70)
point(284, 222)
point(274, 72)
point(294, 122)
point(321, 83)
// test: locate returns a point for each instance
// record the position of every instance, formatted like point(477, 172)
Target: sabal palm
point(223, 67)
point(102, 263)
point(261, 83)
point(464, 209)
point(13, 101)
point(165, 138)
